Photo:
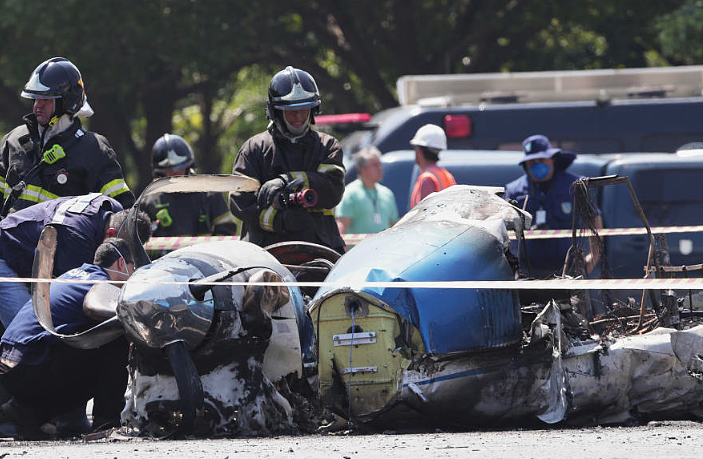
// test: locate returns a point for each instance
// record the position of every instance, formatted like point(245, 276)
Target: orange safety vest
point(441, 178)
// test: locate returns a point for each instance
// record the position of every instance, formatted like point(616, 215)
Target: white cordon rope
point(555, 284)
point(172, 243)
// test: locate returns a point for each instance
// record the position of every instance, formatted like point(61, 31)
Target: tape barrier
point(555, 284)
point(172, 243)
point(547, 234)
point(567, 233)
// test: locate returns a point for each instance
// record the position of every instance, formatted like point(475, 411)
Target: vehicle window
point(591, 145)
point(670, 186)
point(663, 142)
point(355, 141)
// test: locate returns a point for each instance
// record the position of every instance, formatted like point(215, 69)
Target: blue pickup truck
point(669, 187)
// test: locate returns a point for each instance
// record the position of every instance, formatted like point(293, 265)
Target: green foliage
point(200, 68)
point(238, 112)
point(681, 34)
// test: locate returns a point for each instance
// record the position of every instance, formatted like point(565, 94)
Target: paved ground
point(680, 439)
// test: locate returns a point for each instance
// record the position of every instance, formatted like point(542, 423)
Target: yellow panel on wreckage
point(363, 349)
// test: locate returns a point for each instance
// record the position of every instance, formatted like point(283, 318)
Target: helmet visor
point(34, 89)
point(173, 159)
point(286, 87)
point(297, 105)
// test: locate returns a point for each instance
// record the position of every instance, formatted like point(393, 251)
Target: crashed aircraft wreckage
point(206, 354)
point(211, 359)
point(393, 357)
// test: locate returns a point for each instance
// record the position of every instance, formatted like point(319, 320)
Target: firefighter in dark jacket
point(51, 155)
point(290, 151)
point(184, 214)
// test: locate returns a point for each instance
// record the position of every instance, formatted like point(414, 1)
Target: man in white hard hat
point(429, 140)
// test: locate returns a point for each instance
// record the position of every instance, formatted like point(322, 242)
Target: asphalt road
point(675, 439)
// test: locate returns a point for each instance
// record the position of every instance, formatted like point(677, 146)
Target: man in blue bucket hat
point(546, 185)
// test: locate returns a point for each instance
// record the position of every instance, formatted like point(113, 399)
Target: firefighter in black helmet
point(51, 155)
point(290, 150)
point(184, 214)
point(171, 155)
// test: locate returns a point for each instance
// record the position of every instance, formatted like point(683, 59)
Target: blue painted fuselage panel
point(449, 319)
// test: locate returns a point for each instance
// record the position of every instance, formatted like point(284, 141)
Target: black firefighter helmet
point(292, 89)
point(57, 78)
point(171, 153)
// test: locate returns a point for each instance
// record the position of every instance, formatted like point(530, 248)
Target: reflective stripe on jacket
point(82, 162)
point(316, 159)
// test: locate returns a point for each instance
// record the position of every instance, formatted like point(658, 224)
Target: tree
point(681, 33)
point(143, 62)
point(358, 48)
point(138, 60)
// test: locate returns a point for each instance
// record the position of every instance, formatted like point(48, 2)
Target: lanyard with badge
point(540, 214)
point(540, 217)
point(373, 195)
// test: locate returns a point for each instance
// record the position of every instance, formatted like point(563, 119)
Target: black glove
point(268, 191)
point(292, 220)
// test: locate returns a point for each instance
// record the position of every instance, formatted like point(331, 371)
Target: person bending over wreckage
point(46, 377)
point(82, 222)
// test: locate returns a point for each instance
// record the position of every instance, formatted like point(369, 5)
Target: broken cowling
point(173, 321)
point(458, 234)
point(199, 352)
point(369, 335)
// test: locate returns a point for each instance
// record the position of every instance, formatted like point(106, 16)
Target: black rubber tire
point(190, 387)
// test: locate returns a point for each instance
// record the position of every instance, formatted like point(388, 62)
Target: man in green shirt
point(367, 206)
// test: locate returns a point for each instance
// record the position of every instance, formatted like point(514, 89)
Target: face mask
point(539, 171)
point(126, 273)
point(119, 272)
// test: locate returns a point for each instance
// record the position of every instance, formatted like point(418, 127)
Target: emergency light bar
point(343, 118)
point(558, 85)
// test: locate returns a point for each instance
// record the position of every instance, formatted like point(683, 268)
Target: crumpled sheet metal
point(457, 234)
point(252, 340)
point(631, 377)
point(687, 347)
point(239, 396)
point(638, 374)
point(479, 206)
point(156, 314)
point(241, 401)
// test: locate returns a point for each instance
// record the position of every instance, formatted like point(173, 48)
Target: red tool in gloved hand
point(289, 197)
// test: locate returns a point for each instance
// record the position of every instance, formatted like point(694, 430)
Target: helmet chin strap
point(57, 124)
